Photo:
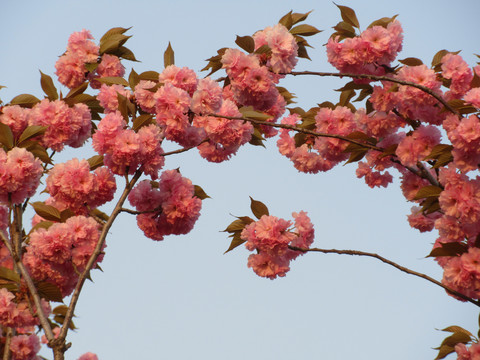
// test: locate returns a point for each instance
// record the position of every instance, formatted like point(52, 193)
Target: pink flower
point(183, 78)
point(24, 347)
point(144, 97)
point(473, 97)
point(20, 174)
point(456, 69)
point(88, 356)
point(418, 145)
point(283, 45)
point(108, 96)
point(65, 125)
point(207, 98)
point(270, 237)
point(16, 118)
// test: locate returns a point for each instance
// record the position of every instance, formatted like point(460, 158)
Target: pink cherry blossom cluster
point(318, 153)
point(110, 66)
point(70, 67)
point(369, 53)
point(17, 314)
point(125, 150)
point(58, 254)
point(65, 125)
point(25, 347)
point(271, 237)
point(73, 186)
point(169, 207)
point(16, 118)
point(20, 174)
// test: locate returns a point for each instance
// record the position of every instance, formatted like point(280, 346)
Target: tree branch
point(389, 262)
point(97, 251)
point(379, 78)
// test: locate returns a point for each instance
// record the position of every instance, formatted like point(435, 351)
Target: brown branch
point(389, 262)
point(8, 340)
point(297, 129)
point(60, 341)
point(379, 78)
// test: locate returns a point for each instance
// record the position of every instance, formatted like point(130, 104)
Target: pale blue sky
point(182, 298)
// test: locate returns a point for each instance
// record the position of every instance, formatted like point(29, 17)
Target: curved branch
point(389, 262)
point(378, 78)
point(297, 129)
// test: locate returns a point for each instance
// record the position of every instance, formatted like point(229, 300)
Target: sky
point(182, 298)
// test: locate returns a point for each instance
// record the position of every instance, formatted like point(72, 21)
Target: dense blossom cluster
point(271, 237)
point(400, 129)
point(171, 207)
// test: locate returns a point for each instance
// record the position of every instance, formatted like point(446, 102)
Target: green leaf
point(168, 56)
point(113, 31)
point(348, 15)
point(47, 212)
point(428, 191)
point(345, 97)
point(66, 214)
point(149, 75)
point(297, 17)
point(304, 30)
point(142, 120)
point(112, 43)
point(31, 132)
point(48, 88)
point(124, 53)
point(258, 208)
point(200, 193)
point(6, 136)
point(10, 275)
point(41, 225)
point(25, 100)
point(246, 43)
point(49, 292)
point(37, 150)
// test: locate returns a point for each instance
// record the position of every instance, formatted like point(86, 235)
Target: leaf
point(133, 79)
point(297, 17)
point(237, 225)
point(47, 212)
point(456, 338)
point(236, 241)
point(95, 162)
point(246, 43)
point(25, 100)
point(60, 310)
point(428, 191)
point(100, 214)
point(10, 275)
point(31, 132)
point(348, 15)
point(383, 22)
point(304, 30)
point(248, 112)
point(124, 53)
point(41, 225)
point(411, 61)
point(66, 214)
point(149, 75)
point(168, 56)
point(448, 249)
point(37, 150)
point(258, 208)
point(345, 97)
point(437, 58)
point(49, 292)
point(302, 52)
point(287, 20)
point(200, 193)
point(264, 49)
point(110, 80)
point(457, 329)
point(78, 90)
point(112, 43)
point(113, 31)
point(444, 351)
point(48, 88)
point(142, 120)
point(6, 136)
point(356, 156)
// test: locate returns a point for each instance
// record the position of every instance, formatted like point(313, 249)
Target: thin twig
point(297, 129)
point(6, 346)
point(389, 262)
point(379, 78)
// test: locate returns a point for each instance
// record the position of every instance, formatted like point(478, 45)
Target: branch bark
point(391, 263)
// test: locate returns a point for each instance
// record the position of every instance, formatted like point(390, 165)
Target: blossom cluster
point(271, 237)
point(169, 207)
